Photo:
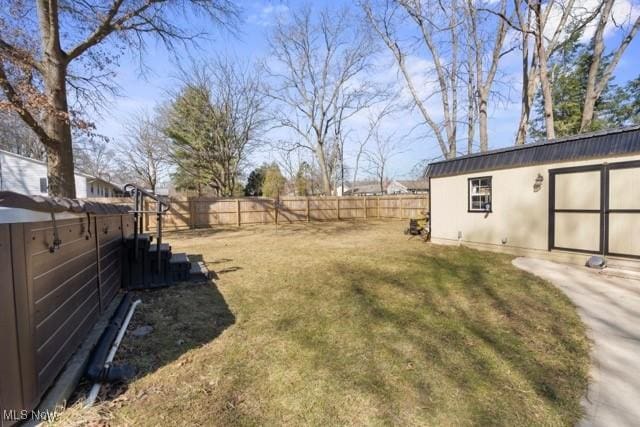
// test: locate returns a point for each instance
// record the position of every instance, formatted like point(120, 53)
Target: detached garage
point(565, 198)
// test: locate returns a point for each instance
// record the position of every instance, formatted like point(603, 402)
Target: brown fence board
point(194, 212)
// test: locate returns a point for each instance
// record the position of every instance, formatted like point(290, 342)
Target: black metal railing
point(162, 207)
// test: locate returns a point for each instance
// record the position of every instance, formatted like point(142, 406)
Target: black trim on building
point(580, 147)
point(603, 211)
point(490, 210)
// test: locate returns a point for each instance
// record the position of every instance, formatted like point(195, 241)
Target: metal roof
point(584, 146)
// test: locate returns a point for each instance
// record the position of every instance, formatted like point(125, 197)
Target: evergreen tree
point(254, 182)
point(569, 69)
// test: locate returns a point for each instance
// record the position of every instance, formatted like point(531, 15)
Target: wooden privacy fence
point(202, 212)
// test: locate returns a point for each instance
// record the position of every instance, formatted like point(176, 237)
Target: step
point(199, 272)
point(164, 247)
point(142, 238)
point(179, 258)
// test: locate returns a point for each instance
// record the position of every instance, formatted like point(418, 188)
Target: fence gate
point(596, 209)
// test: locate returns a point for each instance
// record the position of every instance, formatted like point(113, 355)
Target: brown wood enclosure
point(202, 212)
point(50, 299)
point(596, 209)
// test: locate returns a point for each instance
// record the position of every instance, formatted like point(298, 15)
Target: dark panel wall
point(9, 356)
point(50, 299)
point(65, 292)
point(110, 252)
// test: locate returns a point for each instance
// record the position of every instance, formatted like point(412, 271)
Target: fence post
point(401, 200)
point(238, 210)
point(365, 208)
point(338, 208)
point(192, 213)
point(308, 210)
point(378, 205)
point(145, 216)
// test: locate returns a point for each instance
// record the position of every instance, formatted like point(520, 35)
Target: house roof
point(364, 187)
point(584, 146)
point(414, 184)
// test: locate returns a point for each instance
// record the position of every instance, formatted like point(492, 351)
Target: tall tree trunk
point(543, 73)
point(453, 78)
point(527, 98)
point(597, 79)
point(598, 48)
point(57, 123)
point(58, 126)
point(324, 170)
point(483, 119)
point(470, 105)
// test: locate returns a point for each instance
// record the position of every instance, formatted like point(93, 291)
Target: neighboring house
point(563, 198)
point(339, 191)
point(408, 187)
point(366, 188)
point(29, 176)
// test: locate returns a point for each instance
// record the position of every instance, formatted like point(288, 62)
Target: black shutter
point(43, 185)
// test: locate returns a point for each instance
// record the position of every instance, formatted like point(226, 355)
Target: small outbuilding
point(566, 198)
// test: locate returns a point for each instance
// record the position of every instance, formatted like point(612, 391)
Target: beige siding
point(578, 190)
point(624, 229)
point(519, 214)
point(624, 189)
point(577, 231)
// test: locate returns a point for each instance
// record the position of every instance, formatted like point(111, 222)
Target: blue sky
point(142, 91)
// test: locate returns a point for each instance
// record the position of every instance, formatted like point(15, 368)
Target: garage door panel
point(580, 231)
point(624, 233)
point(624, 188)
point(578, 190)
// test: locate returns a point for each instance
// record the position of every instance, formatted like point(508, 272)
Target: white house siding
point(21, 174)
point(95, 188)
point(81, 186)
point(395, 187)
point(519, 219)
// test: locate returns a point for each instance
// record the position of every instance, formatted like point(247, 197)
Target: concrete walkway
point(610, 307)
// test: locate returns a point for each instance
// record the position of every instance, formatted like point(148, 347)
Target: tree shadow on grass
point(469, 323)
point(182, 317)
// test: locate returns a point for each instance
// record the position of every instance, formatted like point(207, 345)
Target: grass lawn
point(350, 323)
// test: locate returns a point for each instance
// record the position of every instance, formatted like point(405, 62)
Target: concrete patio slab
point(610, 307)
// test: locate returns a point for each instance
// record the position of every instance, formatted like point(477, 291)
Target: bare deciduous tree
point(54, 47)
point(533, 21)
point(319, 82)
point(146, 153)
point(95, 156)
point(479, 45)
point(383, 148)
point(598, 79)
point(386, 17)
point(18, 138)
point(450, 39)
point(216, 121)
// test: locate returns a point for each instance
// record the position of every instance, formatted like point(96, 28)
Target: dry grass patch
point(351, 323)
